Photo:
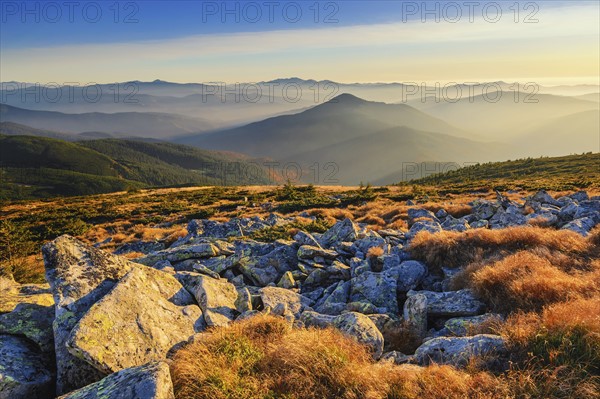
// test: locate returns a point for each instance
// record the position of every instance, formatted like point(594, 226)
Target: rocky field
point(500, 298)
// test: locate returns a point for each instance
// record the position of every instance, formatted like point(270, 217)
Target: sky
point(546, 42)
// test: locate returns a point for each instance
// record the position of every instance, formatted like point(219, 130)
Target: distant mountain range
point(124, 124)
point(347, 138)
point(367, 141)
point(223, 105)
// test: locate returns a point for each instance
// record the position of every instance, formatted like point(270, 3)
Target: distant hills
point(41, 166)
point(124, 124)
point(506, 117)
point(367, 141)
point(341, 139)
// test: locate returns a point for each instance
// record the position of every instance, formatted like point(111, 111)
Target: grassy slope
point(36, 167)
point(558, 173)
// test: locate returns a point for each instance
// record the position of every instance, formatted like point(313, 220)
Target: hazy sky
point(346, 41)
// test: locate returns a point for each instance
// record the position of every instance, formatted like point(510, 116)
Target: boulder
point(13, 294)
point(143, 317)
point(396, 357)
point(453, 224)
point(180, 253)
point(364, 244)
point(216, 297)
point(269, 268)
point(484, 210)
point(378, 289)
point(314, 319)
point(460, 326)
point(345, 230)
point(334, 302)
point(451, 304)
point(296, 303)
point(387, 325)
point(24, 371)
point(361, 328)
point(408, 274)
point(79, 275)
point(310, 252)
point(459, 350)
point(417, 213)
point(150, 381)
point(581, 226)
point(304, 238)
point(144, 247)
point(424, 225)
point(415, 314)
point(509, 218)
point(544, 198)
point(243, 303)
point(287, 281)
point(32, 321)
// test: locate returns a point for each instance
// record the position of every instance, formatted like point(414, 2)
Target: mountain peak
point(347, 98)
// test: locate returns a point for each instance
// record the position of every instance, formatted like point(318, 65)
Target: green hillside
point(559, 173)
point(37, 167)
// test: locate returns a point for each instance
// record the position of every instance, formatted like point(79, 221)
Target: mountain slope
point(572, 172)
point(16, 129)
point(139, 124)
point(40, 167)
point(571, 134)
point(343, 118)
point(505, 117)
point(401, 153)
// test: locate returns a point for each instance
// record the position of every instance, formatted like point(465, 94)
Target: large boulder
point(460, 326)
point(459, 350)
point(13, 294)
point(310, 252)
point(345, 230)
point(416, 214)
point(451, 304)
point(334, 302)
point(544, 198)
point(295, 303)
point(216, 297)
point(430, 226)
point(314, 319)
point(79, 275)
point(408, 274)
point(27, 310)
point(361, 328)
point(269, 268)
point(24, 371)
point(144, 316)
point(581, 226)
point(184, 252)
point(32, 321)
point(415, 314)
point(150, 381)
point(378, 289)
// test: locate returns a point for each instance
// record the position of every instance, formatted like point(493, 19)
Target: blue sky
point(196, 44)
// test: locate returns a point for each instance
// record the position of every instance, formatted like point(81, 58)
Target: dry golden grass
point(372, 220)
point(264, 357)
point(548, 283)
point(453, 249)
point(529, 282)
point(374, 252)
